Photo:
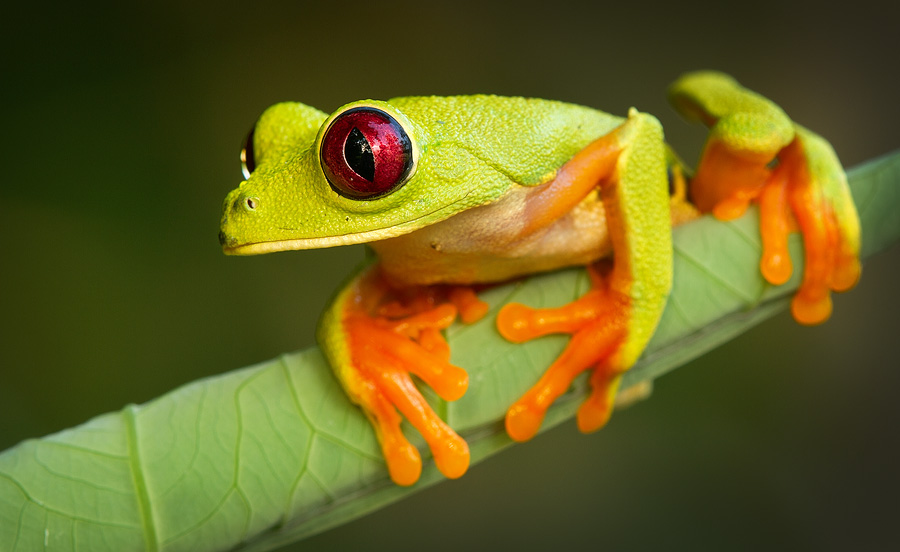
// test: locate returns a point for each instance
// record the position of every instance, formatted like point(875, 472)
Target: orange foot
point(807, 188)
point(827, 218)
point(598, 324)
point(390, 334)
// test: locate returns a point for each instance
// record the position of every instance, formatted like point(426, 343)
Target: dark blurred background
point(121, 130)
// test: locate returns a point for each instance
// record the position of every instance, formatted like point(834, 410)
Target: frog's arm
point(612, 323)
point(374, 342)
point(755, 152)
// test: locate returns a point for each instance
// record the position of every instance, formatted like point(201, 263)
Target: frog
point(457, 193)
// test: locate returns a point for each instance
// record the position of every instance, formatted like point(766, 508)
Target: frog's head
point(367, 172)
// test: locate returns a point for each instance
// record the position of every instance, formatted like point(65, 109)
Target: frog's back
point(526, 138)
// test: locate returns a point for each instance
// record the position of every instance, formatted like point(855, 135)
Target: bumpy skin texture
point(504, 187)
point(745, 121)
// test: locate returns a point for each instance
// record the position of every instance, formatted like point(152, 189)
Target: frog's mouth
point(231, 246)
point(258, 248)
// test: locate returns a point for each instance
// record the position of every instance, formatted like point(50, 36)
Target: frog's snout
point(236, 205)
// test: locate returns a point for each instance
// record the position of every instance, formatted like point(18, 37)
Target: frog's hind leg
point(611, 324)
point(755, 153)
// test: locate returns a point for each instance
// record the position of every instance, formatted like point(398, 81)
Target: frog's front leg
point(755, 153)
point(612, 323)
point(375, 337)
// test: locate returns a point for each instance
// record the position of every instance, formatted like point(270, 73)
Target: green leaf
point(266, 455)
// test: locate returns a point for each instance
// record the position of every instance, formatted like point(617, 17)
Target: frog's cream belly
point(493, 243)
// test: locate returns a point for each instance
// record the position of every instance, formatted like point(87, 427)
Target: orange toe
point(596, 410)
point(404, 463)
point(523, 421)
point(811, 308)
point(451, 455)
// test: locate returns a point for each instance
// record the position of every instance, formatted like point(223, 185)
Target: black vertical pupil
point(358, 153)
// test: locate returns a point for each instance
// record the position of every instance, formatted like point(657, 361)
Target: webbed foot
point(376, 339)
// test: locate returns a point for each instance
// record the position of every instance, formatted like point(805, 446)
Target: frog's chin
point(258, 248)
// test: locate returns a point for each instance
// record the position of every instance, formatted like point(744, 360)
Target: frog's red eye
point(366, 154)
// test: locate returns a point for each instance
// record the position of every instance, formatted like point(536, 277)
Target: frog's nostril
point(222, 238)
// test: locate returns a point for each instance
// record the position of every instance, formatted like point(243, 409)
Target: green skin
point(476, 159)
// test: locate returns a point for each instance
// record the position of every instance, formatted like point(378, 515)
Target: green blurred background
point(121, 130)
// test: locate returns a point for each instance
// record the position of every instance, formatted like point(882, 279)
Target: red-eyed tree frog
point(452, 192)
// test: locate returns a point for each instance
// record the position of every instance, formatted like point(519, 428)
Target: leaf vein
point(86, 450)
point(148, 524)
point(709, 274)
point(341, 443)
point(233, 487)
point(92, 485)
point(196, 448)
point(59, 512)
